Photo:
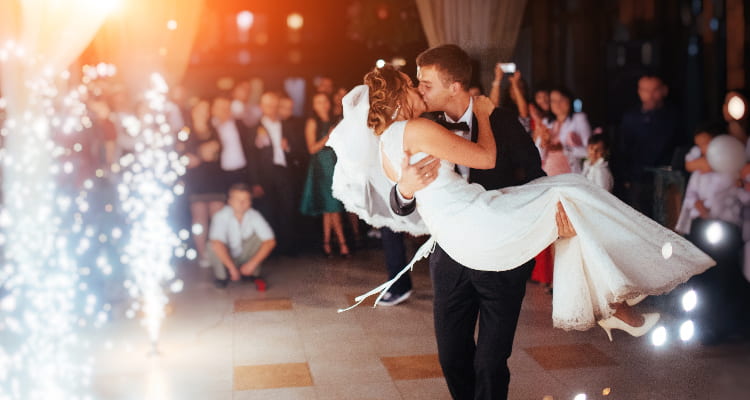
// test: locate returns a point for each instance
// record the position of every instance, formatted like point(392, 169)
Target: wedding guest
point(323, 84)
point(242, 108)
point(241, 240)
point(511, 95)
point(272, 148)
point(564, 148)
point(714, 201)
point(205, 188)
point(560, 141)
point(649, 135)
point(596, 167)
point(238, 158)
point(317, 196)
point(338, 114)
point(394, 250)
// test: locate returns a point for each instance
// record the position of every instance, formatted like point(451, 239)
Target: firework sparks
point(150, 184)
point(48, 233)
point(41, 290)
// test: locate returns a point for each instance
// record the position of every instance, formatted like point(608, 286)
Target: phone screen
point(508, 68)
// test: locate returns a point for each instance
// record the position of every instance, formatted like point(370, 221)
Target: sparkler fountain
point(44, 296)
point(150, 182)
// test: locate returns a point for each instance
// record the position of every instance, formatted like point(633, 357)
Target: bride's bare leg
point(624, 312)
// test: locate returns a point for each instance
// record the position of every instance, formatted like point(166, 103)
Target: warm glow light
point(380, 63)
point(659, 336)
point(295, 21)
point(171, 24)
point(245, 20)
point(689, 300)
point(687, 330)
point(580, 396)
point(736, 107)
point(107, 6)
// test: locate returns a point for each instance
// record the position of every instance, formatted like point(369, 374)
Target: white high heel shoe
point(649, 320)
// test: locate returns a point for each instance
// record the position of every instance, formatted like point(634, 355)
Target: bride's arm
point(421, 135)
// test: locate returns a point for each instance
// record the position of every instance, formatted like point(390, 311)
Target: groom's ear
point(455, 88)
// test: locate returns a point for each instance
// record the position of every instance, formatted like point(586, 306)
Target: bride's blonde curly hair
point(388, 91)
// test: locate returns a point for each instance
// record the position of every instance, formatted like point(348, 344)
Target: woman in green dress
point(317, 196)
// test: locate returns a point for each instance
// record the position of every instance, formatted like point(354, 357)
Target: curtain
point(137, 40)
point(486, 29)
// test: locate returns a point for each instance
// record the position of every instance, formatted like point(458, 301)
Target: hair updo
point(388, 91)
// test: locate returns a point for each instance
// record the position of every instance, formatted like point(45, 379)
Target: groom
point(472, 370)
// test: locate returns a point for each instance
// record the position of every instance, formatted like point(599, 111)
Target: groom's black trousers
point(476, 371)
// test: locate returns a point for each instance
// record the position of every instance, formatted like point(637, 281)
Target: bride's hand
point(483, 106)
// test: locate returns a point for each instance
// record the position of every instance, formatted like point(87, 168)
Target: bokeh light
point(659, 336)
point(689, 300)
point(714, 233)
point(245, 20)
point(295, 21)
point(687, 330)
point(736, 107)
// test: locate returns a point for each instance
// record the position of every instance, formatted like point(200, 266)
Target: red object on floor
point(544, 267)
point(260, 284)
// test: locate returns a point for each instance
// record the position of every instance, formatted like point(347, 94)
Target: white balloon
point(726, 154)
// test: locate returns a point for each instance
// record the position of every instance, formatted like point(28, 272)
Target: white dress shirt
point(232, 156)
point(274, 135)
point(227, 229)
point(468, 117)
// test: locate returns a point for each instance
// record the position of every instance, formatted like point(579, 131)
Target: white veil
point(358, 178)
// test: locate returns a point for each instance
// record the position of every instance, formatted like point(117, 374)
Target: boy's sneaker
point(260, 284)
point(390, 299)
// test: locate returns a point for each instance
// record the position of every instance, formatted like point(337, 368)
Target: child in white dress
point(596, 167)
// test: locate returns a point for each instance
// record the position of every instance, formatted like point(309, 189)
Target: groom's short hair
point(451, 61)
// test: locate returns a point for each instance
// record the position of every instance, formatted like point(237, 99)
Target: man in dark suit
point(238, 157)
point(472, 370)
point(276, 175)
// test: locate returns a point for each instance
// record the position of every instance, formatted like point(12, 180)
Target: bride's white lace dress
point(616, 255)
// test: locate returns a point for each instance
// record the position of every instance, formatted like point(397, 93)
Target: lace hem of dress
point(583, 323)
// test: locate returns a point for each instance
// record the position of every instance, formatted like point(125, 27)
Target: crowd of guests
point(650, 140)
point(283, 165)
point(258, 179)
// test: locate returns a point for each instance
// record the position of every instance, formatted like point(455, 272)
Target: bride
point(618, 254)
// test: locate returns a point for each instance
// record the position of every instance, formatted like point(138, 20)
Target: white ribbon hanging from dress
point(423, 251)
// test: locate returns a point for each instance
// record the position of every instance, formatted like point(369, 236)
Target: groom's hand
point(564, 227)
point(416, 176)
